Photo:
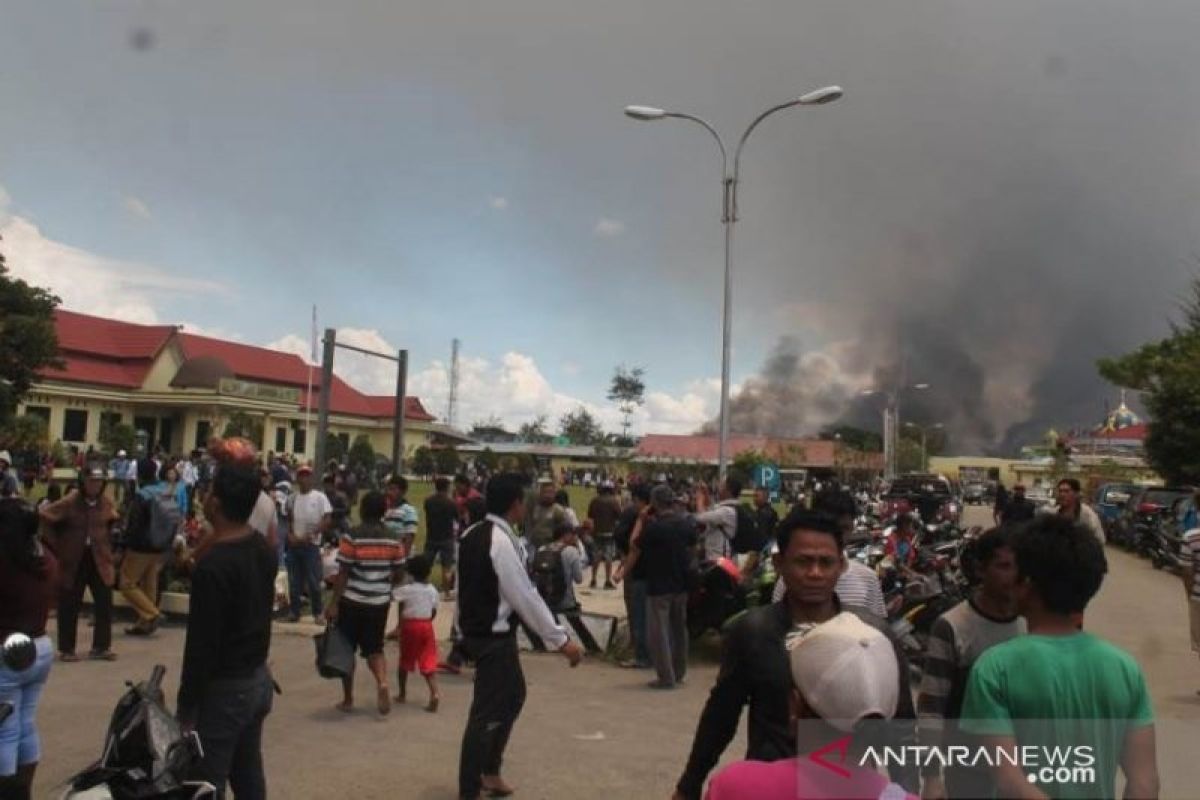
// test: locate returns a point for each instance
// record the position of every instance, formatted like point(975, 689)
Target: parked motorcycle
point(146, 756)
point(719, 595)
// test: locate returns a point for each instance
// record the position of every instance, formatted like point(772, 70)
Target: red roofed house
point(810, 454)
point(180, 388)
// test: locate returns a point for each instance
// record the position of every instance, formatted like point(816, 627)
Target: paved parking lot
point(591, 732)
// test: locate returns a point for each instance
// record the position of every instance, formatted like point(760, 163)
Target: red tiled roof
point(104, 372)
point(83, 333)
point(249, 362)
point(694, 448)
point(1136, 432)
point(113, 353)
point(383, 405)
point(791, 452)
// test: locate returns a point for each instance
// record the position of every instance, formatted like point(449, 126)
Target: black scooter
point(146, 755)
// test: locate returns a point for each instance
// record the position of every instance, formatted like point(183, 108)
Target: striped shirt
point(401, 520)
point(371, 553)
point(956, 641)
point(858, 586)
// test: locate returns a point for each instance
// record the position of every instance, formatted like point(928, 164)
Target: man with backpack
point(153, 519)
point(728, 527)
point(558, 568)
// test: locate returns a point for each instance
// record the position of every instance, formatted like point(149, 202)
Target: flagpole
point(308, 396)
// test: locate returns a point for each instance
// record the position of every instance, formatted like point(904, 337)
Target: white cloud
point(570, 368)
point(516, 391)
point(608, 227)
point(499, 203)
point(137, 207)
point(88, 282)
point(365, 373)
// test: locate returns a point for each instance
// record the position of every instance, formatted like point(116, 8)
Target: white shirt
point(308, 509)
point(420, 600)
point(517, 592)
point(262, 518)
point(720, 525)
point(187, 472)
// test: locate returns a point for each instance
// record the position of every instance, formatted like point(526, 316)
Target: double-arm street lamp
point(729, 215)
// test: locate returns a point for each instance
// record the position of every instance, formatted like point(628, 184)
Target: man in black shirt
point(664, 538)
point(1019, 508)
point(441, 516)
point(754, 661)
point(225, 688)
point(765, 514)
point(635, 578)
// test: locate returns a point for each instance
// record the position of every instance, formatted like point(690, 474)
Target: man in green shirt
point(1059, 689)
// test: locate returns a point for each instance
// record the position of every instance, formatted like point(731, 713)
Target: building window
point(74, 425)
point(300, 441)
point(344, 438)
point(41, 412)
point(280, 440)
point(203, 432)
point(109, 420)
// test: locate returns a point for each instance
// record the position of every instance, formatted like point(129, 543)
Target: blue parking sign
point(767, 476)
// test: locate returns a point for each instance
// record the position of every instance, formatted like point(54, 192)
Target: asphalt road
point(591, 732)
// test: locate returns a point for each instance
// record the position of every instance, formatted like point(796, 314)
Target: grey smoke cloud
point(1008, 196)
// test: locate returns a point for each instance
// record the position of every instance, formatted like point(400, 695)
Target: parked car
point(1137, 524)
point(930, 496)
point(1110, 500)
point(974, 494)
point(1168, 552)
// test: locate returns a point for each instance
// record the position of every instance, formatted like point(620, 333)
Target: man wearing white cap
point(844, 674)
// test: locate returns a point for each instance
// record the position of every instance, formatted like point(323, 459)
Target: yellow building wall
point(163, 371)
point(949, 466)
point(58, 406)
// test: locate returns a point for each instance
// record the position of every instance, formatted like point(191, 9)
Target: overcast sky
point(1007, 191)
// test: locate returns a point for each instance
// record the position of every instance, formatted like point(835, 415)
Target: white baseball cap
point(846, 671)
point(120, 454)
point(5, 457)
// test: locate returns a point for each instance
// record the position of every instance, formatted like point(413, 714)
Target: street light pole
point(925, 441)
point(729, 211)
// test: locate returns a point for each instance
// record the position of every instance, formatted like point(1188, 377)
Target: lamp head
point(644, 113)
point(820, 97)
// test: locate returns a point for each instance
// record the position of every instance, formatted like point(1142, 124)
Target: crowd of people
point(817, 664)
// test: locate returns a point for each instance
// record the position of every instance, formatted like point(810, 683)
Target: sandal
point(384, 701)
point(102, 655)
point(69, 658)
point(433, 705)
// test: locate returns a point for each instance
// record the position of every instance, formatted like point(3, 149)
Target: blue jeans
point(635, 609)
point(304, 572)
point(19, 741)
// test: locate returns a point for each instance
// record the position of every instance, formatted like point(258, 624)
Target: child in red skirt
point(418, 644)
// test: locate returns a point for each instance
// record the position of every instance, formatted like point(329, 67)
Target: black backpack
point(550, 575)
point(747, 538)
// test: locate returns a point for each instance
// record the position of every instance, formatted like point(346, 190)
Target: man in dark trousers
point(79, 531)
point(441, 517)
point(225, 690)
point(494, 591)
point(754, 662)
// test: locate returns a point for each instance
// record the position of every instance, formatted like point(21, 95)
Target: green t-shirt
point(1062, 694)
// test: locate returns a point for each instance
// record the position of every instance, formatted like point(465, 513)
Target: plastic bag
point(335, 654)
